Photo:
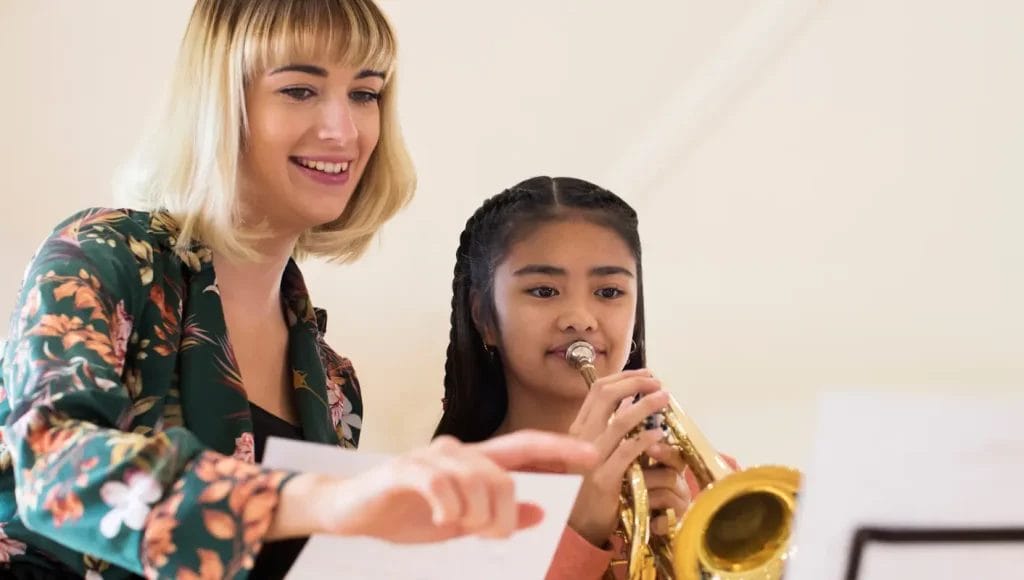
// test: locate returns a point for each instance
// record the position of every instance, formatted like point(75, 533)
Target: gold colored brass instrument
point(738, 528)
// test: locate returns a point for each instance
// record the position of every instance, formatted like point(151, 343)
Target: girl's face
point(565, 281)
point(312, 129)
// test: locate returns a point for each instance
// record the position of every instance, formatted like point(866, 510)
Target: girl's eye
point(542, 292)
point(609, 293)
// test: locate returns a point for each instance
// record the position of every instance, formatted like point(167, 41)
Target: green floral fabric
point(127, 443)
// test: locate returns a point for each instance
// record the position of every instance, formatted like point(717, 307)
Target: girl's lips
point(561, 352)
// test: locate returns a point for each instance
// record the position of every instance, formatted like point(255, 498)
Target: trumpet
point(737, 528)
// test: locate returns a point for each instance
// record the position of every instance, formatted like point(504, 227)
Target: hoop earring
point(489, 349)
point(633, 349)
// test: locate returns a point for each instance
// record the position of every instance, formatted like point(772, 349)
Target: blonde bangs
point(353, 32)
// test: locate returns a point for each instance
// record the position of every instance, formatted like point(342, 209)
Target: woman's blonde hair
point(189, 164)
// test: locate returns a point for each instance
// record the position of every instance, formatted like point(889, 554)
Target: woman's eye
point(609, 293)
point(298, 93)
point(365, 97)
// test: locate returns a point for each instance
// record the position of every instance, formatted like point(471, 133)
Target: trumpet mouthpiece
point(580, 353)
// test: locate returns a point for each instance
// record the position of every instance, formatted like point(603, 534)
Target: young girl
point(539, 266)
point(152, 352)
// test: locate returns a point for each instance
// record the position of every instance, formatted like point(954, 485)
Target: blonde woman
point(152, 351)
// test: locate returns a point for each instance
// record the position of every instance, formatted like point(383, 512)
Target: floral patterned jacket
point(126, 433)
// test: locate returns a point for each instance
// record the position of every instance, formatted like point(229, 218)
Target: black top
point(275, 558)
point(266, 424)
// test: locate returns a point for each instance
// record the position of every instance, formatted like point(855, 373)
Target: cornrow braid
point(474, 382)
point(475, 397)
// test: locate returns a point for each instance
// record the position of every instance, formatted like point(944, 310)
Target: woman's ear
point(480, 321)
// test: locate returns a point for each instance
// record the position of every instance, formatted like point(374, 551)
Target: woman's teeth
point(325, 166)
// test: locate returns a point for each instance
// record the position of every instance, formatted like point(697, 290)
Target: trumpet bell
point(739, 527)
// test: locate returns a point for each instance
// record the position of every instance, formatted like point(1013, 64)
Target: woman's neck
point(254, 285)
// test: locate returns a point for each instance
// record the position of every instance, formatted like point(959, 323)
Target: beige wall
point(828, 191)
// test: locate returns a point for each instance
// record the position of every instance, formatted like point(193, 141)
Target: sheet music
point(932, 484)
point(525, 555)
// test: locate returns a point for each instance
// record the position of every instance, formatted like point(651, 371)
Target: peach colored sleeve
point(578, 559)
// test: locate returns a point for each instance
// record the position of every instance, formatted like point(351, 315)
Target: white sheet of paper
point(525, 555)
point(889, 460)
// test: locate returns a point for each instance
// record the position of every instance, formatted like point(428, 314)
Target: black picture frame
point(865, 536)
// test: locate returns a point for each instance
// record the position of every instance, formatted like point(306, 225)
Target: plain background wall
point(841, 209)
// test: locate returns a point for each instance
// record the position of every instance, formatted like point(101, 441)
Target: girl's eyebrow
point(549, 270)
